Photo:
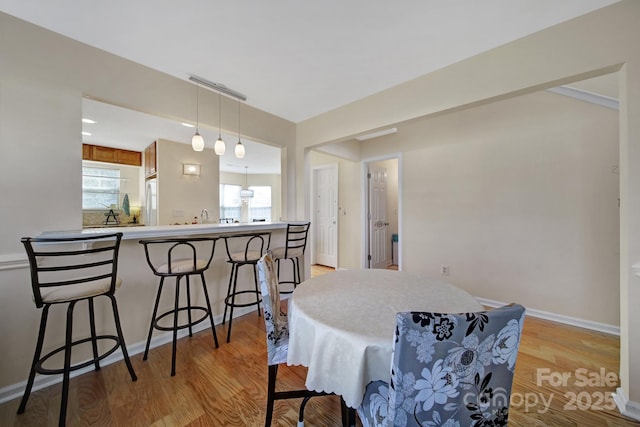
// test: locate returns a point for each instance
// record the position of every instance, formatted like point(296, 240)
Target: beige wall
point(520, 199)
point(186, 194)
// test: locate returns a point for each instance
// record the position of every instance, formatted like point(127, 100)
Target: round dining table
point(341, 324)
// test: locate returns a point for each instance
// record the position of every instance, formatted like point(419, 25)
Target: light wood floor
point(227, 386)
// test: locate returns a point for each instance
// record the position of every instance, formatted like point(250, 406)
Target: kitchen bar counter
point(135, 297)
point(161, 231)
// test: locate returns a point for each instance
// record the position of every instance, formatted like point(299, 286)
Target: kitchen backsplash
point(97, 218)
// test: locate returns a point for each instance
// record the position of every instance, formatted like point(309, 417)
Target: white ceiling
point(293, 59)
point(297, 59)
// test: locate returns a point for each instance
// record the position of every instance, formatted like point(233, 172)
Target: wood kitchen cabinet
point(150, 160)
point(98, 153)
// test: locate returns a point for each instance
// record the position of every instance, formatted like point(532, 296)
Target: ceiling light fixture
point(218, 87)
point(245, 193)
point(239, 147)
point(219, 146)
point(197, 141)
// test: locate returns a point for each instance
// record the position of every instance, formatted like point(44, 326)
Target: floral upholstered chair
point(277, 338)
point(452, 370)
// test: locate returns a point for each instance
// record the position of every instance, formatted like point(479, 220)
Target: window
point(100, 187)
point(230, 202)
point(260, 205)
point(231, 206)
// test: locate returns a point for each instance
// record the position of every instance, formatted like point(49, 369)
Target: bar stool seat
point(188, 264)
point(255, 246)
point(66, 271)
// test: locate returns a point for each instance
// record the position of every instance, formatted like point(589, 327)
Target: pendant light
point(245, 193)
point(239, 147)
point(219, 147)
point(197, 142)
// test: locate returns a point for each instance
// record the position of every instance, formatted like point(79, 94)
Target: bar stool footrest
point(46, 371)
point(156, 324)
point(228, 299)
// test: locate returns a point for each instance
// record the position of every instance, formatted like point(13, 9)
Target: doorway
point(381, 222)
point(324, 221)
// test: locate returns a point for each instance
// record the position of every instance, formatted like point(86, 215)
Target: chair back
point(275, 321)
point(297, 234)
point(181, 255)
point(255, 246)
point(454, 366)
point(62, 267)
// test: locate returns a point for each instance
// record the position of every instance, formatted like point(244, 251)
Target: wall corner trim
point(626, 407)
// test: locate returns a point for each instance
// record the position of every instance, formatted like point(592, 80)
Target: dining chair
point(179, 258)
point(448, 369)
point(293, 250)
point(277, 339)
point(65, 271)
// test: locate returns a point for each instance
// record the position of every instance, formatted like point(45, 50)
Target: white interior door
point(378, 222)
point(325, 223)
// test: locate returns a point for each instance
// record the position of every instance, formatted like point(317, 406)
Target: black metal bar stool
point(65, 271)
point(182, 262)
point(255, 246)
point(293, 250)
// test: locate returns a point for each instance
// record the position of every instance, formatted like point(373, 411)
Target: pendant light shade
point(219, 146)
point(197, 141)
point(239, 150)
point(245, 193)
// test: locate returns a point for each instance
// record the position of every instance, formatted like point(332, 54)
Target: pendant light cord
point(197, 107)
point(219, 116)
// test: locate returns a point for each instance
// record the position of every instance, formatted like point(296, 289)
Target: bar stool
point(293, 250)
point(255, 246)
point(182, 262)
point(65, 271)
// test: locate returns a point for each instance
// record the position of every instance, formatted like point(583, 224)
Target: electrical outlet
point(178, 212)
point(444, 270)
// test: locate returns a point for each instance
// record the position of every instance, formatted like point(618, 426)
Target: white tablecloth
point(341, 324)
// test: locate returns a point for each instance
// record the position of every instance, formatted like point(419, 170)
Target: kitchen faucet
point(203, 214)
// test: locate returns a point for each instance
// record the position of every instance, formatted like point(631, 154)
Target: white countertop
point(154, 231)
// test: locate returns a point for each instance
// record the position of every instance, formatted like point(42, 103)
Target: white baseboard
point(567, 320)
point(160, 338)
point(625, 406)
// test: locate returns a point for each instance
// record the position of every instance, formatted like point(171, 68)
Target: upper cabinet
point(150, 162)
point(98, 153)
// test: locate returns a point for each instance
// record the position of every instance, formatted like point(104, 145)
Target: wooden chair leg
point(271, 391)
